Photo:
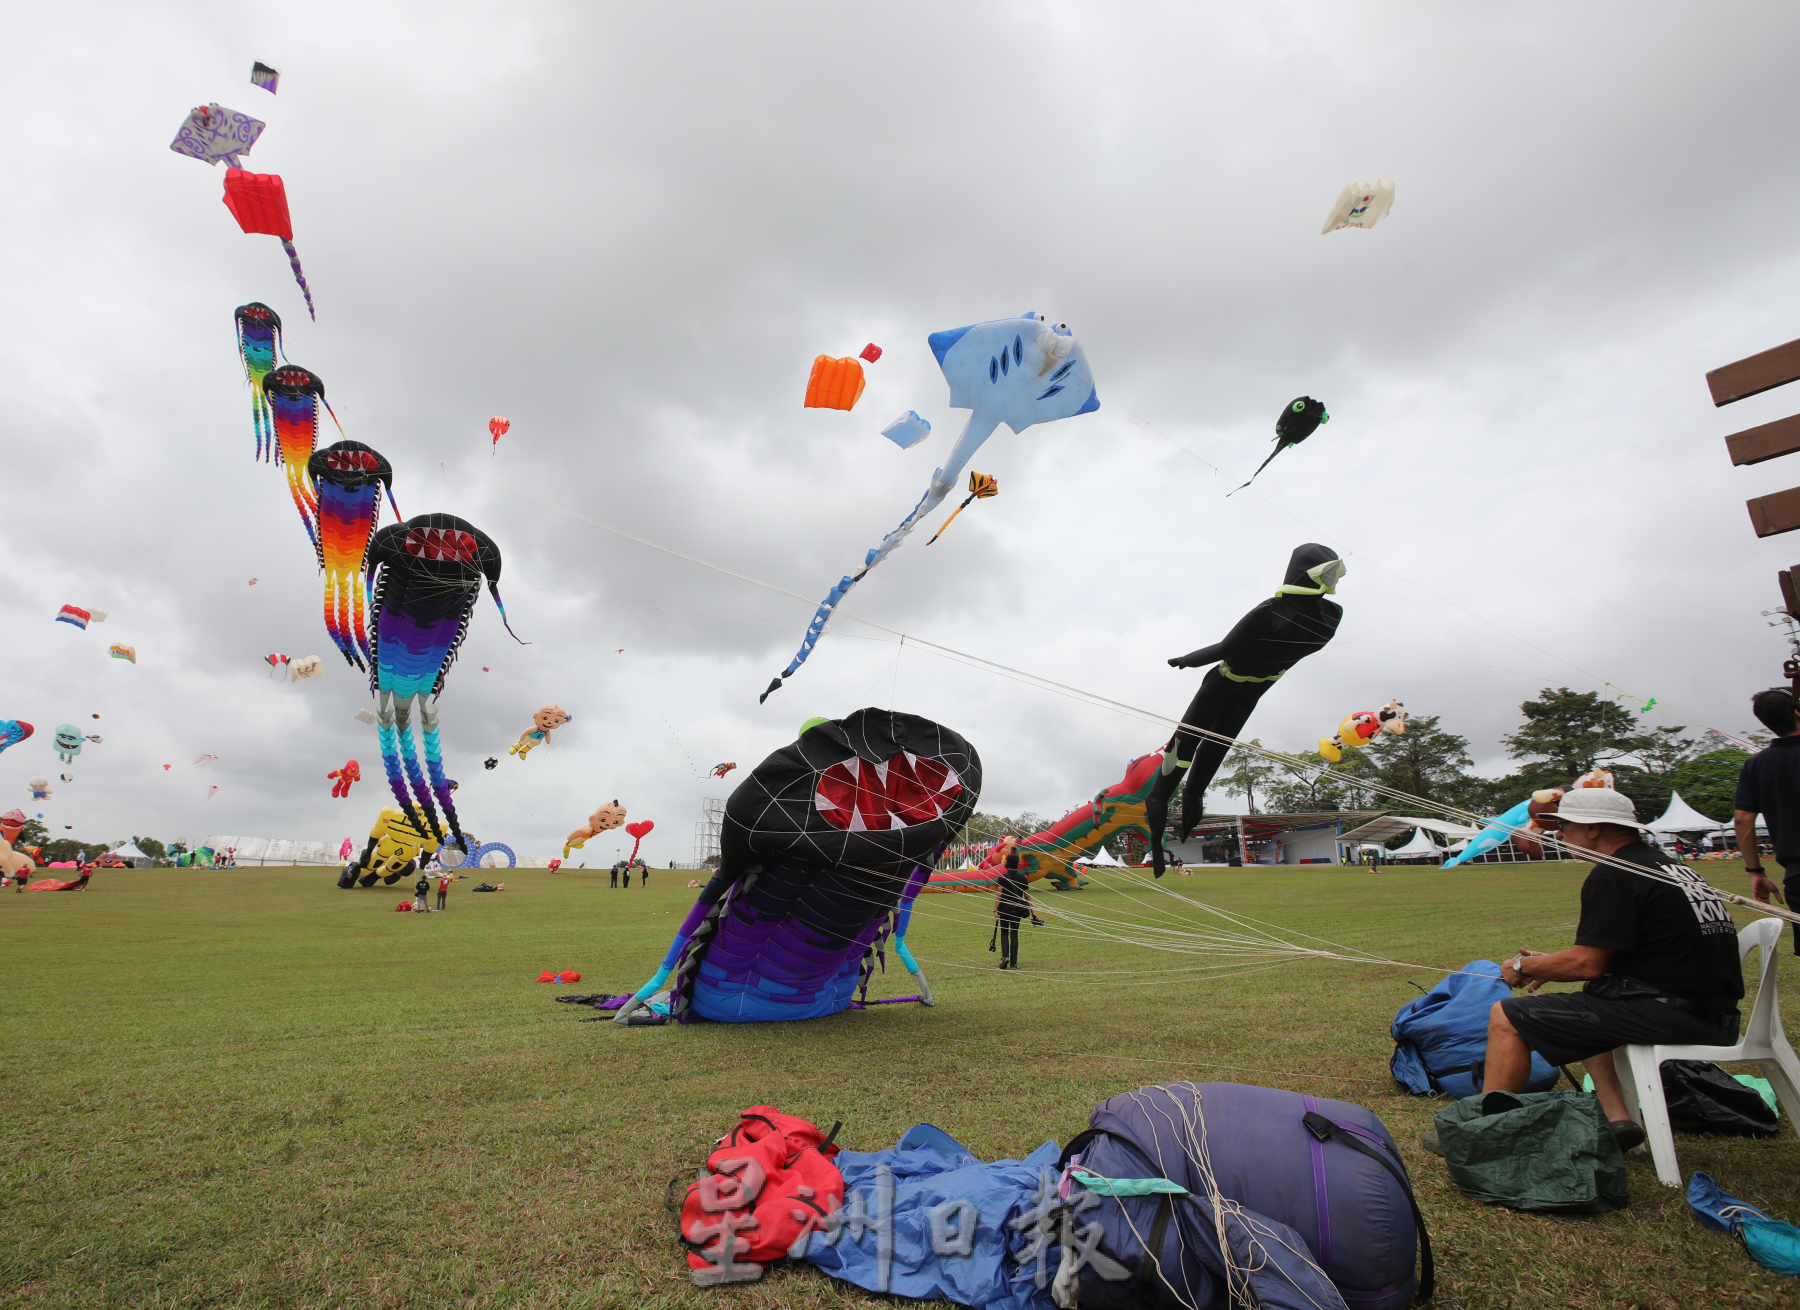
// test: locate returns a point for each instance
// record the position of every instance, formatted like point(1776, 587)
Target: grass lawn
point(251, 1088)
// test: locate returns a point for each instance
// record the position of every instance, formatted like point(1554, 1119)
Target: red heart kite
point(638, 832)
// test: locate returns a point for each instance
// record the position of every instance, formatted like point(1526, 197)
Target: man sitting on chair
point(1657, 954)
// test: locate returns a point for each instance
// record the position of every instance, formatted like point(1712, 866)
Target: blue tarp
point(1443, 1032)
point(927, 1171)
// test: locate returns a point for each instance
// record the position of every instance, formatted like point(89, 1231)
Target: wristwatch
point(1517, 965)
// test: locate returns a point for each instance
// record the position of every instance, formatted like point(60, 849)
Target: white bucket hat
point(1597, 805)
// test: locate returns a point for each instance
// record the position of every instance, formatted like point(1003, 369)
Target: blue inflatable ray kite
point(1016, 371)
point(1514, 820)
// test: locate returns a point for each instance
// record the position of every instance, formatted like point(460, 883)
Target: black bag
point(1703, 1098)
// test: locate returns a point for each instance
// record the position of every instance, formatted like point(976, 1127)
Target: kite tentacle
point(1279, 447)
point(299, 276)
point(434, 763)
point(409, 759)
point(390, 759)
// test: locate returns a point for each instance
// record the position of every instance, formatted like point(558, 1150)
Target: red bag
point(404, 907)
point(771, 1184)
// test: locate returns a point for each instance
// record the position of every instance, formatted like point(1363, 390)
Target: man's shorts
point(1564, 1027)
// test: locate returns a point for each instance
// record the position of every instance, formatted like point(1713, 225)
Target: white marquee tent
point(1682, 817)
point(1419, 845)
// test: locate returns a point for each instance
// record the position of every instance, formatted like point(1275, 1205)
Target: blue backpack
point(1440, 1038)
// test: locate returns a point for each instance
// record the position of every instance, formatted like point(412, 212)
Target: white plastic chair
point(1640, 1067)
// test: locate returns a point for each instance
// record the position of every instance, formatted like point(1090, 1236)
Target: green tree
point(1310, 787)
point(151, 847)
point(1426, 761)
point(1709, 783)
point(1245, 773)
point(32, 833)
point(1566, 733)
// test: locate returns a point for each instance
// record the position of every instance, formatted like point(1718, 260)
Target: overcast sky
point(631, 228)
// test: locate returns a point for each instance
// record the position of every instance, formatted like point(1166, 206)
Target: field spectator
point(1769, 785)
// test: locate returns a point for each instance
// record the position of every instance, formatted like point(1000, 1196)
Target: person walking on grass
point(1769, 785)
point(643, 876)
point(1012, 902)
point(420, 890)
point(443, 887)
point(1657, 954)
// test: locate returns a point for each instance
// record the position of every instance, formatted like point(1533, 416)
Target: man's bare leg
point(1606, 1085)
point(1508, 1058)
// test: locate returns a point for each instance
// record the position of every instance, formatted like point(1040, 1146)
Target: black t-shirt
point(1769, 785)
point(1012, 894)
point(1677, 939)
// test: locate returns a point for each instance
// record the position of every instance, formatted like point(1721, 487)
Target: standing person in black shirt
point(1264, 645)
point(1012, 902)
point(1769, 785)
point(1657, 953)
point(615, 874)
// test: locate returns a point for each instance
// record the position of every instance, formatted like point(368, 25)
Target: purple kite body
point(824, 847)
point(264, 76)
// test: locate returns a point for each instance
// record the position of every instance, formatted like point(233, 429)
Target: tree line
point(1564, 734)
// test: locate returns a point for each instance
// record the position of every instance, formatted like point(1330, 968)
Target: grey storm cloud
point(631, 229)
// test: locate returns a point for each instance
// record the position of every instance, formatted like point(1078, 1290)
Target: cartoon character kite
point(544, 722)
point(1298, 421)
point(1359, 729)
point(68, 740)
point(1253, 657)
point(605, 819)
point(351, 772)
point(1017, 371)
point(720, 770)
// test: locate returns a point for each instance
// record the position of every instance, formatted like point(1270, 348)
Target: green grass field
point(252, 1089)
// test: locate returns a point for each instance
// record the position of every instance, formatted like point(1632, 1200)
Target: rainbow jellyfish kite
point(428, 575)
point(259, 341)
point(348, 479)
point(294, 395)
point(825, 845)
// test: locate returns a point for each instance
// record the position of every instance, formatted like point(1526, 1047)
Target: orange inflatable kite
point(834, 384)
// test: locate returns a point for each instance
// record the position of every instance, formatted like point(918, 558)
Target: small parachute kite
point(365, 716)
point(1361, 204)
point(834, 383)
point(491, 763)
point(1017, 371)
point(77, 617)
point(720, 770)
point(211, 792)
point(981, 486)
point(265, 77)
point(13, 731)
point(206, 759)
point(499, 427)
point(908, 430)
point(1299, 420)
point(276, 662)
point(68, 741)
point(259, 341)
point(1362, 727)
point(119, 652)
